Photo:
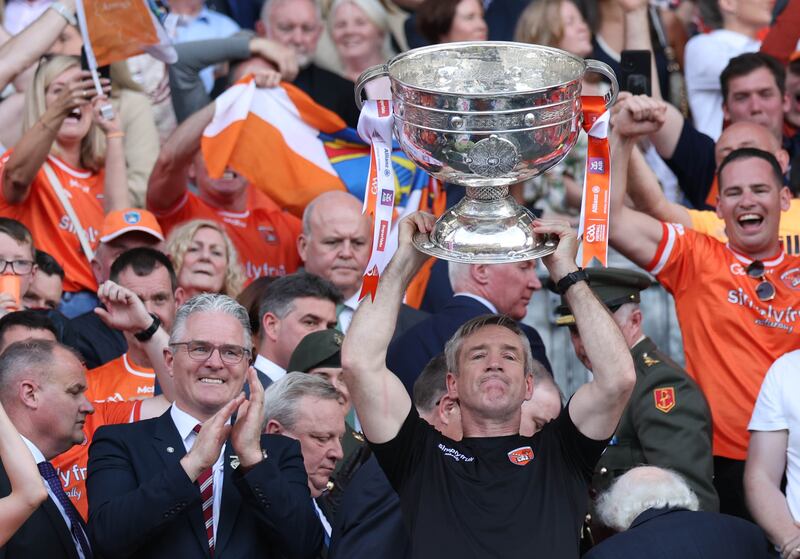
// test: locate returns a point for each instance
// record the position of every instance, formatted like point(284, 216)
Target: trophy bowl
point(485, 115)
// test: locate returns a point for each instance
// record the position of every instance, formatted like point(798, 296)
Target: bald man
point(648, 197)
point(335, 244)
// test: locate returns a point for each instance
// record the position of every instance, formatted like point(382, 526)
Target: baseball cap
point(119, 222)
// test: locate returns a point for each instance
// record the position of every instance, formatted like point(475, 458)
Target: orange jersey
point(119, 380)
point(49, 224)
point(71, 465)
point(265, 236)
point(730, 338)
point(705, 221)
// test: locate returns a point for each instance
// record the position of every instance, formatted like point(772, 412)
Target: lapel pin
point(234, 461)
point(170, 449)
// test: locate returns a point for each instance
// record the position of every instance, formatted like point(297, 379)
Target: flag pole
point(107, 111)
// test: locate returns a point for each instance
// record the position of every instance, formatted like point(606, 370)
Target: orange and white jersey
point(730, 337)
point(120, 380)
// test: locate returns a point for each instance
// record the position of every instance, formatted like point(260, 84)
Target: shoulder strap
point(63, 197)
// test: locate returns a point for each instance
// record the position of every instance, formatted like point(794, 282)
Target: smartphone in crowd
point(636, 70)
point(11, 284)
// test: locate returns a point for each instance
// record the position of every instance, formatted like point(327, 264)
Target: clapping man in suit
point(42, 385)
point(194, 482)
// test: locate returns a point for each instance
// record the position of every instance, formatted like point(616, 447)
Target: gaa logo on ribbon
point(596, 233)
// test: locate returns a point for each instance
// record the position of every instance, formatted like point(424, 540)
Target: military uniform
point(667, 421)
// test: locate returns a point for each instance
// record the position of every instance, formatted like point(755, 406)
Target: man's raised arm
point(381, 401)
point(596, 407)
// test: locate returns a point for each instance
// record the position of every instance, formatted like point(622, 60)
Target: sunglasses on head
point(765, 291)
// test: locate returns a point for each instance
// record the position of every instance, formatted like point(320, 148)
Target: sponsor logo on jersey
point(455, 454)
point(791, 279)
point(521, 456)
point(267, 233)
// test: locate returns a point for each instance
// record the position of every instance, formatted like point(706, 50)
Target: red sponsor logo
point(383, 108)
point(791, 279)
point(521, 456)
point(664, 398)
point(382, 229)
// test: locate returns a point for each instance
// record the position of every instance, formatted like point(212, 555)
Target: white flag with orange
point(271, 136)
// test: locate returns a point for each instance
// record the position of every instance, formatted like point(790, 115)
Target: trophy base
point(490, 229)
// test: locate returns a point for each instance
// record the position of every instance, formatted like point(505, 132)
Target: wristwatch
point(145, 335)
point(571, 279)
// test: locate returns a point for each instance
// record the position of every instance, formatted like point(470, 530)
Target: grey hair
point(452, 348)
point(642, 488)
point(308, 213)
point(456, 273)
point(282, 398)
point(210, 302)
point(266, 9)
point(28, 356)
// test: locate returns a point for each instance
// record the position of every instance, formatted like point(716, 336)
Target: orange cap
point(119, 222)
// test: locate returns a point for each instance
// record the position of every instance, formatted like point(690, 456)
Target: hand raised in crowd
point(281, 56)
point(267, 78)
point(75, 94)
point(246, 432)
point(123, 308)
point(212, 436)
point(562, 261)
point(108, 126)
point(637, 115)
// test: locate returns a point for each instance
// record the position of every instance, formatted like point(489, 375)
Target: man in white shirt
point(293, 306)
point(335, 244)
point(41, 387)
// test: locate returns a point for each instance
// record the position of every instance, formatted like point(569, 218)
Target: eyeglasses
point(202, 351)
point(765, 291)
point(18, 267)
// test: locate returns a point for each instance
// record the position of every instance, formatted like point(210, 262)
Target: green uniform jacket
point(667, 423)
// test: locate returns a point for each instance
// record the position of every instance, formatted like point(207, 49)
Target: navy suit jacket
point(142, 504)
point(671, 533)
point(409, 353)
point(44, 534)
point(369, 522)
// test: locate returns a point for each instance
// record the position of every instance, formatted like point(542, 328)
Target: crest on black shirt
point(521, 456)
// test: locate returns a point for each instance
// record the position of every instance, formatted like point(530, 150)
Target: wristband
point(145, 335)
point(64, 12)
point(571, 279)
point(115, 135)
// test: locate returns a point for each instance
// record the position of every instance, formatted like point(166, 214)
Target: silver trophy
point(486, 115)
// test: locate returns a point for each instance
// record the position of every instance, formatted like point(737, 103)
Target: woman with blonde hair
point(555, 23)
point(66, 171)
point(360, 32)
point(205, 260)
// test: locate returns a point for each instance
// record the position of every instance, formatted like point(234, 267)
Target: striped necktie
point(206, 483)
point(77, 526)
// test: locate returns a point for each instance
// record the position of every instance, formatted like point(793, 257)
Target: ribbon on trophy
point(596, 183)
point(375, 128)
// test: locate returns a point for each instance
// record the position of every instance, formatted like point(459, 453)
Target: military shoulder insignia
point(664, 398)
point(649, 361)
point(521, 456)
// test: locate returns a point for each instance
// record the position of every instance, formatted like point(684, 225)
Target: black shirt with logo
point(508, 496)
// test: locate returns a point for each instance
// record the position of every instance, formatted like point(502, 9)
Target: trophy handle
point(603, 69)
point(370, 74)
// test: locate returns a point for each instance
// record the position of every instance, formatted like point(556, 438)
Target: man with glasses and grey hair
point(194, 482)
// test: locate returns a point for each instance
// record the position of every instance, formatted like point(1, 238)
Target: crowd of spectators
point(188, 369)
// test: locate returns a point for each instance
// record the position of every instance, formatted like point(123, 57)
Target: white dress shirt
point(346, 314)
point(274, 371)
point(478, 298)
point(38, 457)
point(185, 424)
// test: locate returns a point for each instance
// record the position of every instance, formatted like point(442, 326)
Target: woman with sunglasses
point(67, 170)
